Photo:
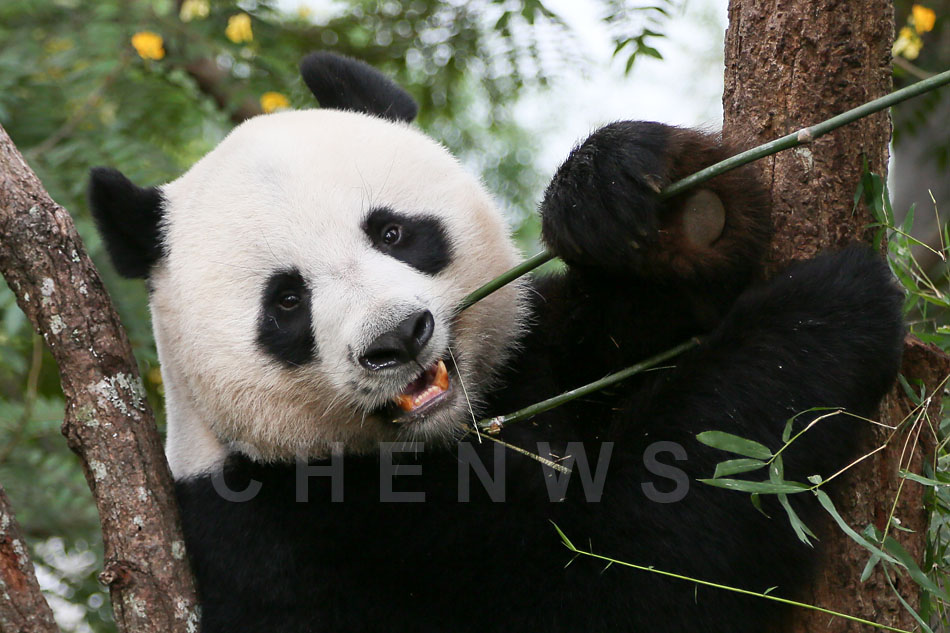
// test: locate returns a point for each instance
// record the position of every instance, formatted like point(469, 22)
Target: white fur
point(291, 190)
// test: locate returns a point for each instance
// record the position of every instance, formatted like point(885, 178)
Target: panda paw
point(602, 206)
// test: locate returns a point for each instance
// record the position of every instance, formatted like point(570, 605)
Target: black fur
point(285, 334)
point(826, 332)
point(343, 83)
point(128, 219)
point(423, 242)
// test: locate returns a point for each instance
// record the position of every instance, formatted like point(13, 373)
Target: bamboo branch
point(494, 425)
point(765, 596)
point(23, 608)
point(801, 137)
point(108, 422)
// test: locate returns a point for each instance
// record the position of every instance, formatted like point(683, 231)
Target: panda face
point(307, 292)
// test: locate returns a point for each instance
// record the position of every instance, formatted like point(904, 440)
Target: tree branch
point(108, 422)
point(213, 81)
point(23, 607)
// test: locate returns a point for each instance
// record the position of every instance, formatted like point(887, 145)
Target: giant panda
point(321, 382)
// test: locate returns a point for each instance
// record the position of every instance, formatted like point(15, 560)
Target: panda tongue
point(432, 383)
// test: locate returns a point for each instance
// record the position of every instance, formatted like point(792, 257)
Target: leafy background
point(75, 93)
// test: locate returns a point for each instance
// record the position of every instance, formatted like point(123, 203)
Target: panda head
point(304, 280)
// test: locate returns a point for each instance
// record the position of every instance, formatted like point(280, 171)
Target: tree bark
point(790, 64)
point(108, 422)
point(23, 608)
point(795, 63)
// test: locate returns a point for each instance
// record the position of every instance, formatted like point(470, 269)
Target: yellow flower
point(148, 45)
point(239, 28)
point(271, 101)
point(908, 43)
point(191, 9)
point(922, 18)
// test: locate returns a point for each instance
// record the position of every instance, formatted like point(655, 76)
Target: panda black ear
point(127, 217)
point(343, 83)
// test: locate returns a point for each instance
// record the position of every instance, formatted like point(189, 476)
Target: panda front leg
point(644, 273)
point(824, 333)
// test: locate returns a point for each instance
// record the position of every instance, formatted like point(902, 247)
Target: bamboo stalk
point(493, 426)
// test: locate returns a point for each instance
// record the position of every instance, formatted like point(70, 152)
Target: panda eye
point(391, 234)
point(288, 301)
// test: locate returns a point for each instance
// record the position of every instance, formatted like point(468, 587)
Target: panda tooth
point(441, 377)
point(404, 402)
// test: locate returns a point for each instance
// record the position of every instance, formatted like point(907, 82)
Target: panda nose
point(400, 345)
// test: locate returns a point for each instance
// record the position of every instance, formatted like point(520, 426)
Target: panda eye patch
point(420, 241)
point(284, 329)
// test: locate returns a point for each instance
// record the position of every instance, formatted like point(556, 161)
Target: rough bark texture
point(22, 607)
point(790, 64)
point(793, 64)
point(108, 422)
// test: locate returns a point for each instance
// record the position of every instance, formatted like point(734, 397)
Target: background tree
point(921, 147)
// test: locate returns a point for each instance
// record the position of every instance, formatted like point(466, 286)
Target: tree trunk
point(108, 422)
point(22, 607)
point(789, 64)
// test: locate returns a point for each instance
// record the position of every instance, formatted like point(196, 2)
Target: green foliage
point(621, 16)
point(928, 305)
point(928, 314)
point(910, 119)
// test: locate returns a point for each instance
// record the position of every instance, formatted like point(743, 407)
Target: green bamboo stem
point(801, 137)
point(493, 426)
point(612, 561)
point(505, 278)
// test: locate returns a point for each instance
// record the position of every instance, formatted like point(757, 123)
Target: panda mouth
point(423, 393)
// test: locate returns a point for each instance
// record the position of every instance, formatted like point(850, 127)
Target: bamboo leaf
point(829, 507)
point(777, 475)
point(564, 539)
point(734, 444)
point(760, 487)
point(920, 621)
point(908, 390)
point(907, 562)
point(926, 481)
point(869, 567)
point(736, 466)
point(801, 530)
